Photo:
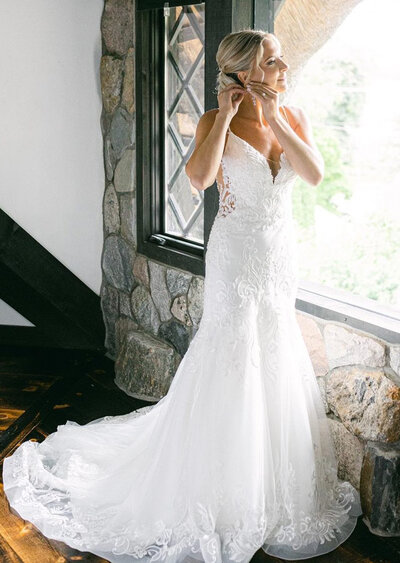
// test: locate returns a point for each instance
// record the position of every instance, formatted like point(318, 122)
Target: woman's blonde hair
point(239, 51)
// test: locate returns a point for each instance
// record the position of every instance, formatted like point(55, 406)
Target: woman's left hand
point(269, 99)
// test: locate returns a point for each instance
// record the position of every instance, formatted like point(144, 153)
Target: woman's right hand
point(230, 98)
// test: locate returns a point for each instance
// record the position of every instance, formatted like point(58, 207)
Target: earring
point(253, 98)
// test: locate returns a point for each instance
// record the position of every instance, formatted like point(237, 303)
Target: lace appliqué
point(268, 522)
point(332, 501)
point(197, 531)
point(263, 272)
point(227, 199)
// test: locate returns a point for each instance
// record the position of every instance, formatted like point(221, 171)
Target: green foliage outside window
point(362, 257)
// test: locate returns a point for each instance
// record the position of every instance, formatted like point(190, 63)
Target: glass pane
point(348, 226)
point(184, 105)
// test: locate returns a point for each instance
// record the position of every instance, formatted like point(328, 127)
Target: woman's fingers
point(263, 87)
point(260, 92)
point(234, 87)
point(264, 93)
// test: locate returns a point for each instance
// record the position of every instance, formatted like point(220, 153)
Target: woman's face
point(272, 69)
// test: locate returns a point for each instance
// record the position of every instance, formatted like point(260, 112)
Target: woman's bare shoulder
point(298, 119)
point(304, 128)
point(208, 116)
point(204, 125)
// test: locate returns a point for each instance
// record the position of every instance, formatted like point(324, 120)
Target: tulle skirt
point(237, 456)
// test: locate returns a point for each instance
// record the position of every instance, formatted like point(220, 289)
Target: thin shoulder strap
point(284, 111)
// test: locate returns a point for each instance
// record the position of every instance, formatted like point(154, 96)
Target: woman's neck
point(250, 112)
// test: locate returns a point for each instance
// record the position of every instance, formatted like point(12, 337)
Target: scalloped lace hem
point(198, 537)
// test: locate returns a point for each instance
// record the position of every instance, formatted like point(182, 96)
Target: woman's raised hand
point(229, 99)
point(268, 96)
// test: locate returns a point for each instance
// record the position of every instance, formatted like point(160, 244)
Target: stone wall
point(152, 311)
point(359, 379)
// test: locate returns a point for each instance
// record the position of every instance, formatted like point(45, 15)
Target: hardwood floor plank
point(29, 545)
point(21, 427)
point(8, 416)
point(8, 555)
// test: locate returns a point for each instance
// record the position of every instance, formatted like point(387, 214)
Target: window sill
point(358, 312)
point(174, 252)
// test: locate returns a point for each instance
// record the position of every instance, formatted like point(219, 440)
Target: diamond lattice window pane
point(184, 104)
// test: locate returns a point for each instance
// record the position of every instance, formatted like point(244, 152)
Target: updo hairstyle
point(239, 51)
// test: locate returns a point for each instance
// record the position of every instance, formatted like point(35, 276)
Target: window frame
point(150, 130)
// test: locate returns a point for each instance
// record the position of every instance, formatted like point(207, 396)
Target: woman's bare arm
point(203, 164)
point(300, 146)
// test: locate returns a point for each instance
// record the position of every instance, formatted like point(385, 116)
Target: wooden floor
point(41, 389)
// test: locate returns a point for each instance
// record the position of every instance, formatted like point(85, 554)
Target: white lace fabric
point(238, 455)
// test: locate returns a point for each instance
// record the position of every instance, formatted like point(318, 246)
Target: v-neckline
point(264, 158)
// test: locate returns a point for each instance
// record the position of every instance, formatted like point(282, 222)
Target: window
point(170, 86)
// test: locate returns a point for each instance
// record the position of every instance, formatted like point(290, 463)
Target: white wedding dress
point(238, 454)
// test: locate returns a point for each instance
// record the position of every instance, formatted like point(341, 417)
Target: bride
point(238, 454)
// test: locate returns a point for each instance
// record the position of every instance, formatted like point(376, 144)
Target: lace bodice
point(251, 251)
point(248, 189)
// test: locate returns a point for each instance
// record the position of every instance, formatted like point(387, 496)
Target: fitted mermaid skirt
point(238, 455)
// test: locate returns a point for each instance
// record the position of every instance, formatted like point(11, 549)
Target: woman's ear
point(242, 75)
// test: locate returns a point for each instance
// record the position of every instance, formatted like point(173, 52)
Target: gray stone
point(111, 210)
point(141, 270)
point(144, 310)
point(366, 401)
point(322, 387)
point(124, 177)
point(193, 328)
point(380, 489)
point(122, 132)
point(117, 25)
point(117, 262)
point(178, 282)
point(159, 291)
point(145, 366)
point(195, 300)
point(111, 82)
point(349, 452)
point(394, 358)
point(128, 216)
point(125, 304)
point(105, 122)
point(128, 88)
point(176, 334)
point(109, 308)
point(314, 342)
point(180, 311)
point(109, 159)
point(345, 347)
point(123, 325)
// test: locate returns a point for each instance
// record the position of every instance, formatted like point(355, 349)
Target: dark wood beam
point(64, 310)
